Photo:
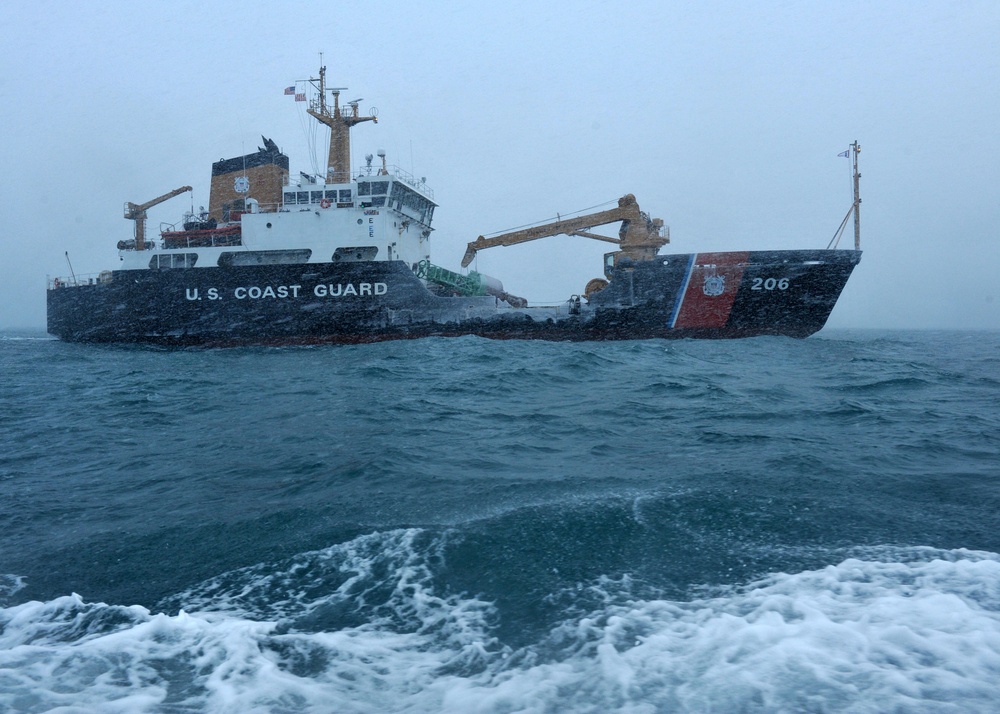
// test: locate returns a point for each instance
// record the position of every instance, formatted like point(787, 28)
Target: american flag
point(300, 97)
point(290, 90)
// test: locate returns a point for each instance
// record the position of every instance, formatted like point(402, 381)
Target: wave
point(372, 625)
point(640, 527)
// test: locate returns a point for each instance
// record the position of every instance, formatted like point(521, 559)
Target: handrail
point(78, 280)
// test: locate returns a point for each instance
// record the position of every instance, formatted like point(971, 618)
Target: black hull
point(717, 295)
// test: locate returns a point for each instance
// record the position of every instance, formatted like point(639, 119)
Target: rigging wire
point(840, 231)
point(835, 241)
point(559, 217)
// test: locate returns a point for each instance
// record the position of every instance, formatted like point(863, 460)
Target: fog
point(724, 119)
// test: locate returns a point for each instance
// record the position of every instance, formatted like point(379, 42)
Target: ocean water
point(464, 525)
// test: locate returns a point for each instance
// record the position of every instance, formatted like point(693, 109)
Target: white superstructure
point(378, 216)
point(259, 216)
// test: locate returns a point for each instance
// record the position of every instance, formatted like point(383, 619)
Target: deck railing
point(78, 280)
point(368, 173)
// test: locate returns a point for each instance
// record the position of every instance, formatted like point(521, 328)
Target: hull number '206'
point(770, 284)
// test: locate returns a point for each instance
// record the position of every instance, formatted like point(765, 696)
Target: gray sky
point(724, 119)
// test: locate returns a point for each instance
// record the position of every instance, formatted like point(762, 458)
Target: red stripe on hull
point(715, 279)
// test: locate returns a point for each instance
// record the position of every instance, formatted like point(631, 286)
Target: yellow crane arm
point(133, 210)
point(137, 212)
point(595, 236)
point(637, 237)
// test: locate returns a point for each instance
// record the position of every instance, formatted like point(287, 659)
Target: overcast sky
point(724, 119)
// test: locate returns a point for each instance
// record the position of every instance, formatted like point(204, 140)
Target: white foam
point(920, 633)
point(859, 636)
point(9, 585)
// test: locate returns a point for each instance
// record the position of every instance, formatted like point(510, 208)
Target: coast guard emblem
point(714, 285)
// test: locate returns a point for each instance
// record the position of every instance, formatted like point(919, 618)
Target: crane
point(639, 238)
point(137, 212)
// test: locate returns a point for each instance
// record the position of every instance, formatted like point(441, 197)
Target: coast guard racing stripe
point(709, 290)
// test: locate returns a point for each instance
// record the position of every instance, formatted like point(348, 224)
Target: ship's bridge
point(391, 188)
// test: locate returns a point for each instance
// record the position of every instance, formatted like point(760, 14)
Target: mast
point(338, 165)
point(855, 150)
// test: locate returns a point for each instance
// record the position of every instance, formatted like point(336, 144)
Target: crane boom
point(639, 237)
point(137, 212)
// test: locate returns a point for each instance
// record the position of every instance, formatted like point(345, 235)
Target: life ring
point(325, 203)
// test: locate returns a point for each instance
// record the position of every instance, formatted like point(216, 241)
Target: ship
point(344, 257)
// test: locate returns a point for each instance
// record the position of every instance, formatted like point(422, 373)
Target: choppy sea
point(464, 525)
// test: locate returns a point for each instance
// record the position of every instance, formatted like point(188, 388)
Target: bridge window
point(417, 204)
